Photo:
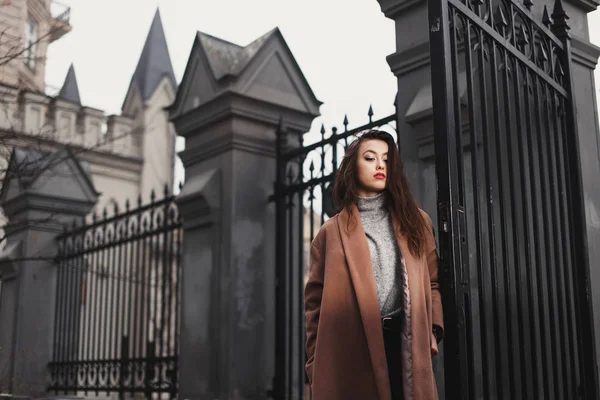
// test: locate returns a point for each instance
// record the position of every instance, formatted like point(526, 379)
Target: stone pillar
point(585, 59)
point(227, 331)
point(228, 293)
point(54, 190)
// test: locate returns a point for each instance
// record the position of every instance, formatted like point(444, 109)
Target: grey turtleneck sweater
point(384, 251)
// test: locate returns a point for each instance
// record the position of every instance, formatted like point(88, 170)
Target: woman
point(373, 307)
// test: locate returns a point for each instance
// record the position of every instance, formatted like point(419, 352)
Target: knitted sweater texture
point(384, 252)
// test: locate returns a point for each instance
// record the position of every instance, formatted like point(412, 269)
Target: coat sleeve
point(432, 264)
point(313, 293)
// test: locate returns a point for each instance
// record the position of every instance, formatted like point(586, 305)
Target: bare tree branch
point(16, 47)
point(45, 140)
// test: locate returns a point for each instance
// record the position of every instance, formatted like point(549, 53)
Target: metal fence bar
point(543, 383)
point(78, 348)
point(515, 260)
point(565, 271)
point(143, 337)
point(542, 235)
point(136, 337)
point(553, 120)
point(476, 160)
point(528, 349)
point(114, 282)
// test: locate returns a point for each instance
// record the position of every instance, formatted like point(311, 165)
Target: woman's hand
point(434, 346)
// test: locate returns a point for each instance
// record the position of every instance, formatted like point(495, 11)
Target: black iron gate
point(511, 214)
point(117, 308)
point(303, 199)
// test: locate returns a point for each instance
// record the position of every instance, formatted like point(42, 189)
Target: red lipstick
point(379, 175)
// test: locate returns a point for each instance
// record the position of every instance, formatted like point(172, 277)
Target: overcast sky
point(340, 45)
point(341, 49)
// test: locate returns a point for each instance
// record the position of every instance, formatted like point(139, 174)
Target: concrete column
point(228, 303)
point(585, 59)
point(52, 191)
point(228, 114)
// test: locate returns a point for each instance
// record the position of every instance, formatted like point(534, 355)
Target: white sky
point(340, 45)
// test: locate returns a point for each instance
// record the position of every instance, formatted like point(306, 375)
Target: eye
point(385, 161)
point(369, 158)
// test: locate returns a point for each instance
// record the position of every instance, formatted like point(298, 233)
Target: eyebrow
point(369, 150)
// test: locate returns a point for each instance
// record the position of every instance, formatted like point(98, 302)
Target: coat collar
point(357, 254)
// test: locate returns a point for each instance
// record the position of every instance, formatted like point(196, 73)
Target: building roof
point(154, 63)
point(28, 166)
point(70, 89)
point(227, 58)
point(264, 70)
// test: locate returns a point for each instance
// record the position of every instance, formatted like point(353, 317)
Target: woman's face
point(371, 167)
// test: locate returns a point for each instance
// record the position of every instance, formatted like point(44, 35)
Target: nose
point(380, 164)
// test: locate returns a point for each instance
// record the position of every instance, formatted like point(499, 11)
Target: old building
point(129, 154)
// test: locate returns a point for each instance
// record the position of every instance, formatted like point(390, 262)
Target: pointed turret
point(70, 90)
point(151, 90)
point(154, 63)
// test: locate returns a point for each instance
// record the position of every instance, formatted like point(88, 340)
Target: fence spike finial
point(116, 208)
point(139, 200)
point(127, 205)
point(166, 190)
point(546, 17)
point(370, 113)
point(558, 9)
point(560, 27)
point(322, 129)
point(528, 4)
point(542, 55)
point(560, 72)
point(345, 123)
point(522, 36)
point(105, 213)
point(152, 196)
point(500, 19)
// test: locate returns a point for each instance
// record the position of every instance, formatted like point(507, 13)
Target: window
point(31, 39)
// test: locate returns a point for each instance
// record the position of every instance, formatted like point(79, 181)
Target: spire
point(155, 62)
point(70, 90)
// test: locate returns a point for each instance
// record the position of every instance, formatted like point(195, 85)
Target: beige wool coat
point(344, 346)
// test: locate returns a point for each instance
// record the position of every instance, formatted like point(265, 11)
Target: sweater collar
point(371, 203)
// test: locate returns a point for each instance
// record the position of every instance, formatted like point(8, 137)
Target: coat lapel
point(358, 258)
point(409, 266)
point(410, 261)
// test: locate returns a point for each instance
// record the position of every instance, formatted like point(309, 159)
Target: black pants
point(392, 339)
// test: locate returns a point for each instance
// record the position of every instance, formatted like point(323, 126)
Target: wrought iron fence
point(512, 230)
point(118, 297)
point(303, 197)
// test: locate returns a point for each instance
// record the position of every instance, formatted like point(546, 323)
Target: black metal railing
point(303, 197)
point(118, 297)
point(511, 214)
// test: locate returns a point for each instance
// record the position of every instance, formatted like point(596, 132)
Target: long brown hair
point(399, 199)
